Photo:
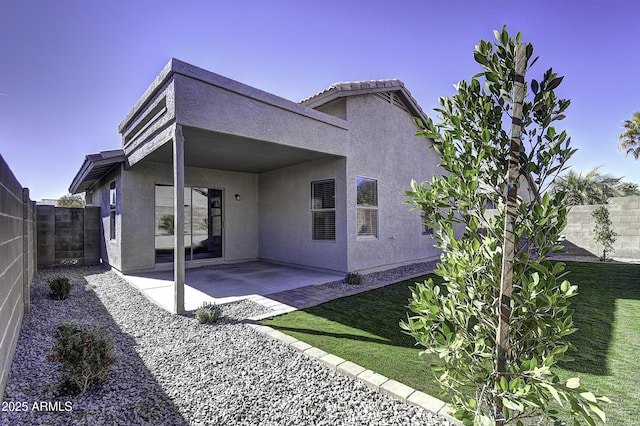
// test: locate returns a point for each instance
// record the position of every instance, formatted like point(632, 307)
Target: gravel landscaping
point(171, 370)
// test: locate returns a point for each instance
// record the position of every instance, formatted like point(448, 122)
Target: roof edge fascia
point(176, 66)
point(148, 94)
point(115, 156)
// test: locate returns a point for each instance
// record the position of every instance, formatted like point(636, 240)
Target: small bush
point(85, 356)
point(353, 278)
point(208, 313)
point(59, 288)
point(603, 233)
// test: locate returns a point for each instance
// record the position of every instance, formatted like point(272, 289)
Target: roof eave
point(336, 92)
point(105, 160)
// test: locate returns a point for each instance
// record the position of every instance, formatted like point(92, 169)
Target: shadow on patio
point(226, 283)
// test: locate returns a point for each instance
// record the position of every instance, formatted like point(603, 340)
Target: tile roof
point(338, 90)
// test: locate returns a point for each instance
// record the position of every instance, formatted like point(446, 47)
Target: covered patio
point(225, 283)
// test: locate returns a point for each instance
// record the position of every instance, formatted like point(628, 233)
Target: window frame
point(375, 233)
point(113, 202)
point(316, 210)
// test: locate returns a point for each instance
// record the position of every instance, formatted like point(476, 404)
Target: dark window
point(426, 230)
point(323, 209)
point(112, 210)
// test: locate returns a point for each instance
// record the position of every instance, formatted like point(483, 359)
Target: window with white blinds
point(367, 207)
point(323, 209)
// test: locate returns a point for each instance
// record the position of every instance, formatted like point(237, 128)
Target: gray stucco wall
point(286, 221)
point(383, 146)
point(138, 200)
point(237, 109)
point(110, 250)
point(17, 263)
point(624, 213)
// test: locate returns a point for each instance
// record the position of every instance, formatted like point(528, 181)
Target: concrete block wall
point(17, 263)
point(624, 213)
point(68, 235)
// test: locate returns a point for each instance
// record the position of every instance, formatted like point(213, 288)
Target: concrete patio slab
point(227, 283)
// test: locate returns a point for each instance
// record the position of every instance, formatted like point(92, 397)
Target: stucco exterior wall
point(383, 146)
point(110, 250)
point(252, 113)
point(150, 127)
point(138, 228)
point(286, 219)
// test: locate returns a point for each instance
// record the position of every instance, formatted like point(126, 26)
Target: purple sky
point(71, 70)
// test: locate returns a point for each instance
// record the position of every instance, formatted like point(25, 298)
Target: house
point(251, 175)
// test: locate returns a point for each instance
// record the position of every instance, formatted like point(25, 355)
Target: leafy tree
point(603, 232)
point(458, 320)
point(71, 201)
point(630, 138)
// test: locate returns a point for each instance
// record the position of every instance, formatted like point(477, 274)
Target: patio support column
point(178, 211)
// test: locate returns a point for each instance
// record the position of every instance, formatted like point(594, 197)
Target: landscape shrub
point(84, 356)
point(59, 288)
point(208, 313)
point(353, 278)
point(603, 232)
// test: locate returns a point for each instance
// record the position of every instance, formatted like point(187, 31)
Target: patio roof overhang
point(213, 150)
point(94, 167)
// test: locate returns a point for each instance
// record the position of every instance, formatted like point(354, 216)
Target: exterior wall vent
point(392, 98)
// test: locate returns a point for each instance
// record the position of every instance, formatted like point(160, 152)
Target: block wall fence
point(624, 213)
point(17, 263)
point(68, 236)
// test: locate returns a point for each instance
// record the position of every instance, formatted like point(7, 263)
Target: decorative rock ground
point(172, 370)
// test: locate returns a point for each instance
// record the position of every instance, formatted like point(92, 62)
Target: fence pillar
point(27, 244)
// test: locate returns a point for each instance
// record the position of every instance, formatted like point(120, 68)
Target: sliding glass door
point(203, 223)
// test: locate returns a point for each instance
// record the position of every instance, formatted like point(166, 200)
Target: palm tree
point(167, 224)
point(592, 188)
point(628, 189)
point(630, 138)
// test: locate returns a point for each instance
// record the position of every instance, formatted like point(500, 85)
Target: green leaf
point(480, 58)
point(589, 396)
point(486, 135)
point(573, 383)
point(504, 37)
point(513, 405)
point(552, 390)
point(554, 83)
point(598, 412)
point(604, 399)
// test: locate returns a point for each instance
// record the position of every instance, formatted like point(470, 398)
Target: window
point(112, 210)
point(203, 224)
point(323, 209)
point(367, 207)
point(426, 229)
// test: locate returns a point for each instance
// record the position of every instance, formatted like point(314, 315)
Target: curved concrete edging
point(374, 381)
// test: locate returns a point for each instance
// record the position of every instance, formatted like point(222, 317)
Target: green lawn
point(364, 329)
